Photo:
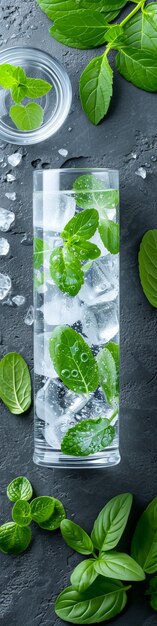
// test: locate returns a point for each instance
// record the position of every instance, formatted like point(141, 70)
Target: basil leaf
point(55, 518)
point(28, 117)
point(111, 522)
point(83, 575)
point(73, 360)
point(152, 591)
point(21, 513)
point(76, 537)
point(18, 92)
point(144, 543)
point(65, 269)
point(102, 601)
point(96, 88)
point(139, 67)
point(141, 30)
point(36, 87)
point(42, 508)
point(7, 76)
point(85, 249)
point(80, 29)
point(15, 383)
point(88, 437)
point(40, 248)
point(84, 224)
point(119, 565)
point(109, 233)
point(91, 192)
point(109, 372)
point(148, 266)
point(13, 538)
point(19, 489)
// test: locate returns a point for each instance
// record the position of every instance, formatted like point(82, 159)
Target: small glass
point(56, 102)
point(93, 313)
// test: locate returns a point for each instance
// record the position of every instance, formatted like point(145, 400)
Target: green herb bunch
point(45, 511)
point(30, 116)
point(87, 24)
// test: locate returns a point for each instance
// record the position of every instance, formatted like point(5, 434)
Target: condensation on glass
point(93, 313)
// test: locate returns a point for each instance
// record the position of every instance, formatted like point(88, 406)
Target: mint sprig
point(30, 116)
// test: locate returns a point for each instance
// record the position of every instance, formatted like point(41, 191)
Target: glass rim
point(76, 169)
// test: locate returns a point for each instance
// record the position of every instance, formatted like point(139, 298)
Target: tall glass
point(76, 301)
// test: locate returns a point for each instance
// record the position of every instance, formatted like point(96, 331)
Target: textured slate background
point(30, 583)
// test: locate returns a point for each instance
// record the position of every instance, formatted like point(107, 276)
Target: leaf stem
point(113, 415)
point(139, 6)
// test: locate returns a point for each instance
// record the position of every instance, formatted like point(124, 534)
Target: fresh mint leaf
point(84, 224)
point(65, 269)
point(56, 8)
point(141, 30)
point(148, 266)
point(80, 29)
point(85, 249)
point(111, 522)
point(108, 368)
point(13, 538)
point(36, 87)
point(83, 575)
point(18, 92)
point(14, 78)
point(15, 383)
point(144, 543)
point(88, 437)
point(73, 360)
point(21, 513)
point(152, 591)
point(138, 67)
point(109, 233)
point(119, 565)
point(19, 489)
point(7, 76)
point(29, 117)
point(40, 249)
point(96, 88)
point(55, 518)
point(76, 537)
point(103, 600)
point(115, 34)
point(91, 192)
point(42, 508)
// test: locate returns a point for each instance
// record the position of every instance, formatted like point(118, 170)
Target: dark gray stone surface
point(30, 583)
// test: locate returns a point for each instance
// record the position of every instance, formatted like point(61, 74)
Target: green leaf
point(19, 489)
point(15, 383)
point(29, 117)
point(18, 92)
point(13, 538)
point(111, 522)
point(40, 248)
point(115, 35)
point(42, 508)
point(21, 513)
point(80, 29)
point(108, 367)
point(96, 88)
point(109, 233)
point(119, 565)
point(148, 266)
point(101, 602)
point(83, 575)
point(36, 87)
point(84, 224)
point(57, 8)
point(65, 269)
point(152, 591)
point(139, 67)
point(85, 249)
point(141, 30)
point(7, 76)
point(55, 518)
point(76, 537)
point(144, 543)
point(91, 192)
point(73, 360)
point(88, 437)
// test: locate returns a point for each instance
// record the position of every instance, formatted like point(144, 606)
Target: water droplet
point(74, 373)
point(84, 357)
point(65, 373)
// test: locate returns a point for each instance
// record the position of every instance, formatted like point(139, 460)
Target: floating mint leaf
point(65, 269)
point(21, 513)
point(29, 117)
point(85, 249)
point(18, 92)
point(19, 489)
point(91, 192)
point(84, 224)
point(76, 537)
point(109, 233)
point(148, 266)
point(88, 437)
point(15, 383)
point(96, 88)
point(73, 360)
point(7, 76)
point(108, 366)
point(40, 248)
point(42, 508)
point(55, 518)
point(35, 87)
point(13, 538)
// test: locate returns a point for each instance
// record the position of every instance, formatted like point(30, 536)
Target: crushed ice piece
point(69, 129)
point(43, 365)
point(141, 172)
point(13, 36)
point(11, 196)
point(29, 317)
point(56, 212)
point(63, 152)
point(101, 282)
point(15, 159)
point(8, 302)
point(66, 310)
point(133, 155)
point(10, 178)
point(18, 300)
point(26, 240)
point(6, 219)
point(153, 158)
point(1, 159)
point(100, 323)
point(5, 285)
point(4, 246)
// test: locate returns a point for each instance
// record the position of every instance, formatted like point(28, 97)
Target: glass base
point(52, 458)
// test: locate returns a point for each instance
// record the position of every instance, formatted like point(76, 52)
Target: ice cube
point(6, 219)
point(95, 407)
point(42, 361)
point(4, 246)
point(18, 300)
point(141, 172)
point(57, 406)
point(59, 308)
point(15, 159)
point(5, 285)
point(29, 317)
point(27, 240)
point(101, 282)
point(10, 178)
point(58, 209)
point(63, 152)
point(11, 196)
point(100, 323)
